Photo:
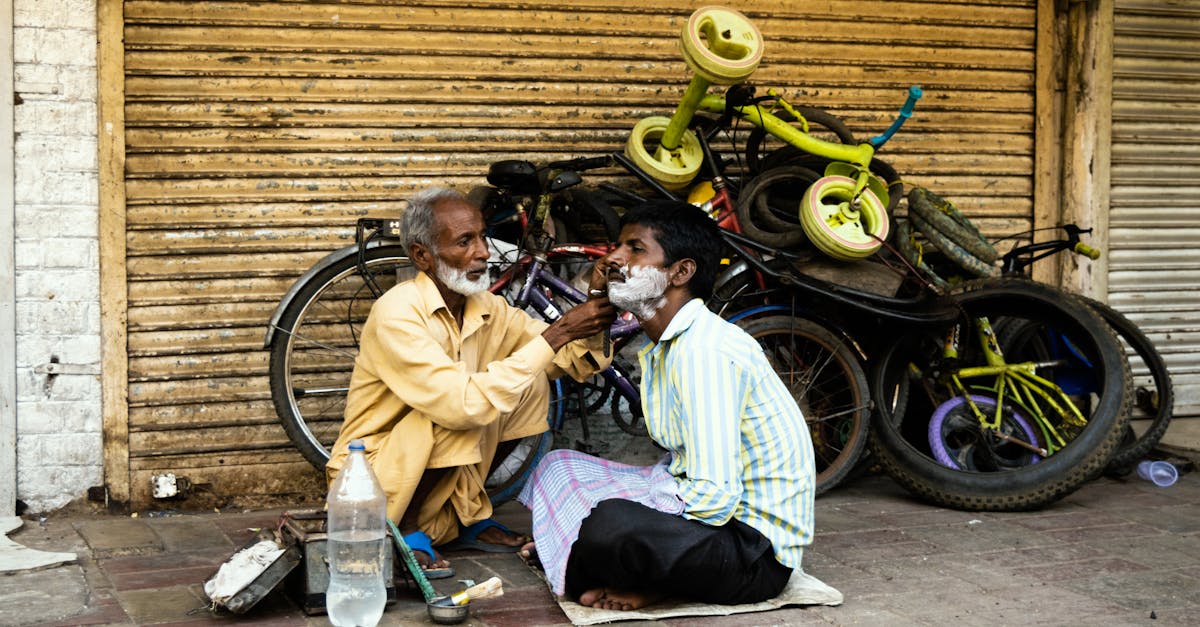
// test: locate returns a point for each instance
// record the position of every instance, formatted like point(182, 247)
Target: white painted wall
point(59, 448)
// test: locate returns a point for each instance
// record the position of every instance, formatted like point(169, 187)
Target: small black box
point(307, 584)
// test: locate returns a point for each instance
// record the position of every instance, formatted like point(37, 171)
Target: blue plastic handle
point(914, 94)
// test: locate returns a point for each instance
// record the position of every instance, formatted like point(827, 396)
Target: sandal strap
point(419, 541)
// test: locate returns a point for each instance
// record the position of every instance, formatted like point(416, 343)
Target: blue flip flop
point(468, 539)
point(419, 541)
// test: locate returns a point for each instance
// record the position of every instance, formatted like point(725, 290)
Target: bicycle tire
point(968, 451)
point(1153, 394)
point(916, 358)
point(1160, 404)
point(959, 255)
point(906, 246)
point(830, 387)
point(790, 155)
point(312, 354)
point(757, 192)
point(829, 127)
point(942, 222)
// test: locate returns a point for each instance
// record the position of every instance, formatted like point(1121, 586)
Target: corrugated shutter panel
point(1154, 264)
point(257, 132)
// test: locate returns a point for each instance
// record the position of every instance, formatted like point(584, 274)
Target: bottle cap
point(357, 445)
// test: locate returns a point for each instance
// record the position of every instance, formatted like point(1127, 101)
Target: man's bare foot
point(529, 555)
point(428, 562)
point(496, 535)
point(609, 599)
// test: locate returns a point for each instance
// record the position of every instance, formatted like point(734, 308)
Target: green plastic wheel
point(673, 168)
point(835, 227)
point(721, 45)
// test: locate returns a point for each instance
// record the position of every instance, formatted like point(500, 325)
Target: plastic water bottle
point(357, 534)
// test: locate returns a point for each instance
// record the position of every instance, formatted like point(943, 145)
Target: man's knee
point(611, 525)
point(529, 415)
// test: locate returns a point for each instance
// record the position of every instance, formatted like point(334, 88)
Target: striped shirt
point(739, 445)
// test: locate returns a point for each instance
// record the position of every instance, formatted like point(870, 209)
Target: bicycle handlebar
point(579, 164)
point(1019, 258)
point(1087, 251)
point(906, 111)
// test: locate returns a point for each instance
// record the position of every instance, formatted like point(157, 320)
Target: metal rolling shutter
point(256, 132)
point(1154, 264)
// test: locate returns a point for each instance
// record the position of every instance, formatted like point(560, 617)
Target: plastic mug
point(1162, 474)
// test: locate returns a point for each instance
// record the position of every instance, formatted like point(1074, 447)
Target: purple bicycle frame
point(537, 276)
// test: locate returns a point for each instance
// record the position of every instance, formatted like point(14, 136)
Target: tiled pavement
point(1117, 552)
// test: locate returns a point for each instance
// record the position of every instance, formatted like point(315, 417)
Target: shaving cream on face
point(642, 293)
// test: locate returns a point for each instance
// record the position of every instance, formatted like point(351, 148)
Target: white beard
point(456, 279)
point(642, 293)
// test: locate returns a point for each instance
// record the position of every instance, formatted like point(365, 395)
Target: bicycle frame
point(859, 155)
point(540, 283)
point(1020, 381)
point(538, 279)
point(851, 161)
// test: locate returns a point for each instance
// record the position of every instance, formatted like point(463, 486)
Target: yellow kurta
point(425, 394)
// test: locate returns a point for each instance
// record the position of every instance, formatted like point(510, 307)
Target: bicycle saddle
point(515, 175)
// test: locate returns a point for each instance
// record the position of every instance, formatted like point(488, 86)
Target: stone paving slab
point(119, 536)
point(1110, 554)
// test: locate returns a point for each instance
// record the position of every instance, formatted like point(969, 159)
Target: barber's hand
point(598, 281)
point(589, 318)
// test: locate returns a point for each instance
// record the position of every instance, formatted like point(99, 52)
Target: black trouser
point(630, 547)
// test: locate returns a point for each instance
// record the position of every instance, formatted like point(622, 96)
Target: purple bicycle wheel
point(957, 442)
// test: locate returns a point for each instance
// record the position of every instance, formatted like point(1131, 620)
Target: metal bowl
point(447, 614)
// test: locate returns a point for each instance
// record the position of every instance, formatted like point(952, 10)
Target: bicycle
point(1153, 398)
point(843, 213)
point(989, 425)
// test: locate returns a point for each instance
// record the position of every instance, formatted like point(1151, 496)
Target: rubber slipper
point(468, 539)
point(419, 541)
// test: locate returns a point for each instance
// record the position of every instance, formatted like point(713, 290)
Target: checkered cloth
point(567, 485)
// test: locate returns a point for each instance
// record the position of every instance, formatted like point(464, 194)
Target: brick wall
point(59, 452)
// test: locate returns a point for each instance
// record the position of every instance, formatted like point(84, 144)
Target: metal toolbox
point(307, 584)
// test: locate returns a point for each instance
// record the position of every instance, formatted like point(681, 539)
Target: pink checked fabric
point(567, 485)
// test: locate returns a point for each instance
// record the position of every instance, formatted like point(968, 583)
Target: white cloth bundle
point(238, 571)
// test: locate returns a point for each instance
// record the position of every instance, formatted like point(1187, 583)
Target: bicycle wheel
point(957, 442)
point(828, 384)
point(769, 196)
point(915, 369)
point(1149, 382)
point(313, 352)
